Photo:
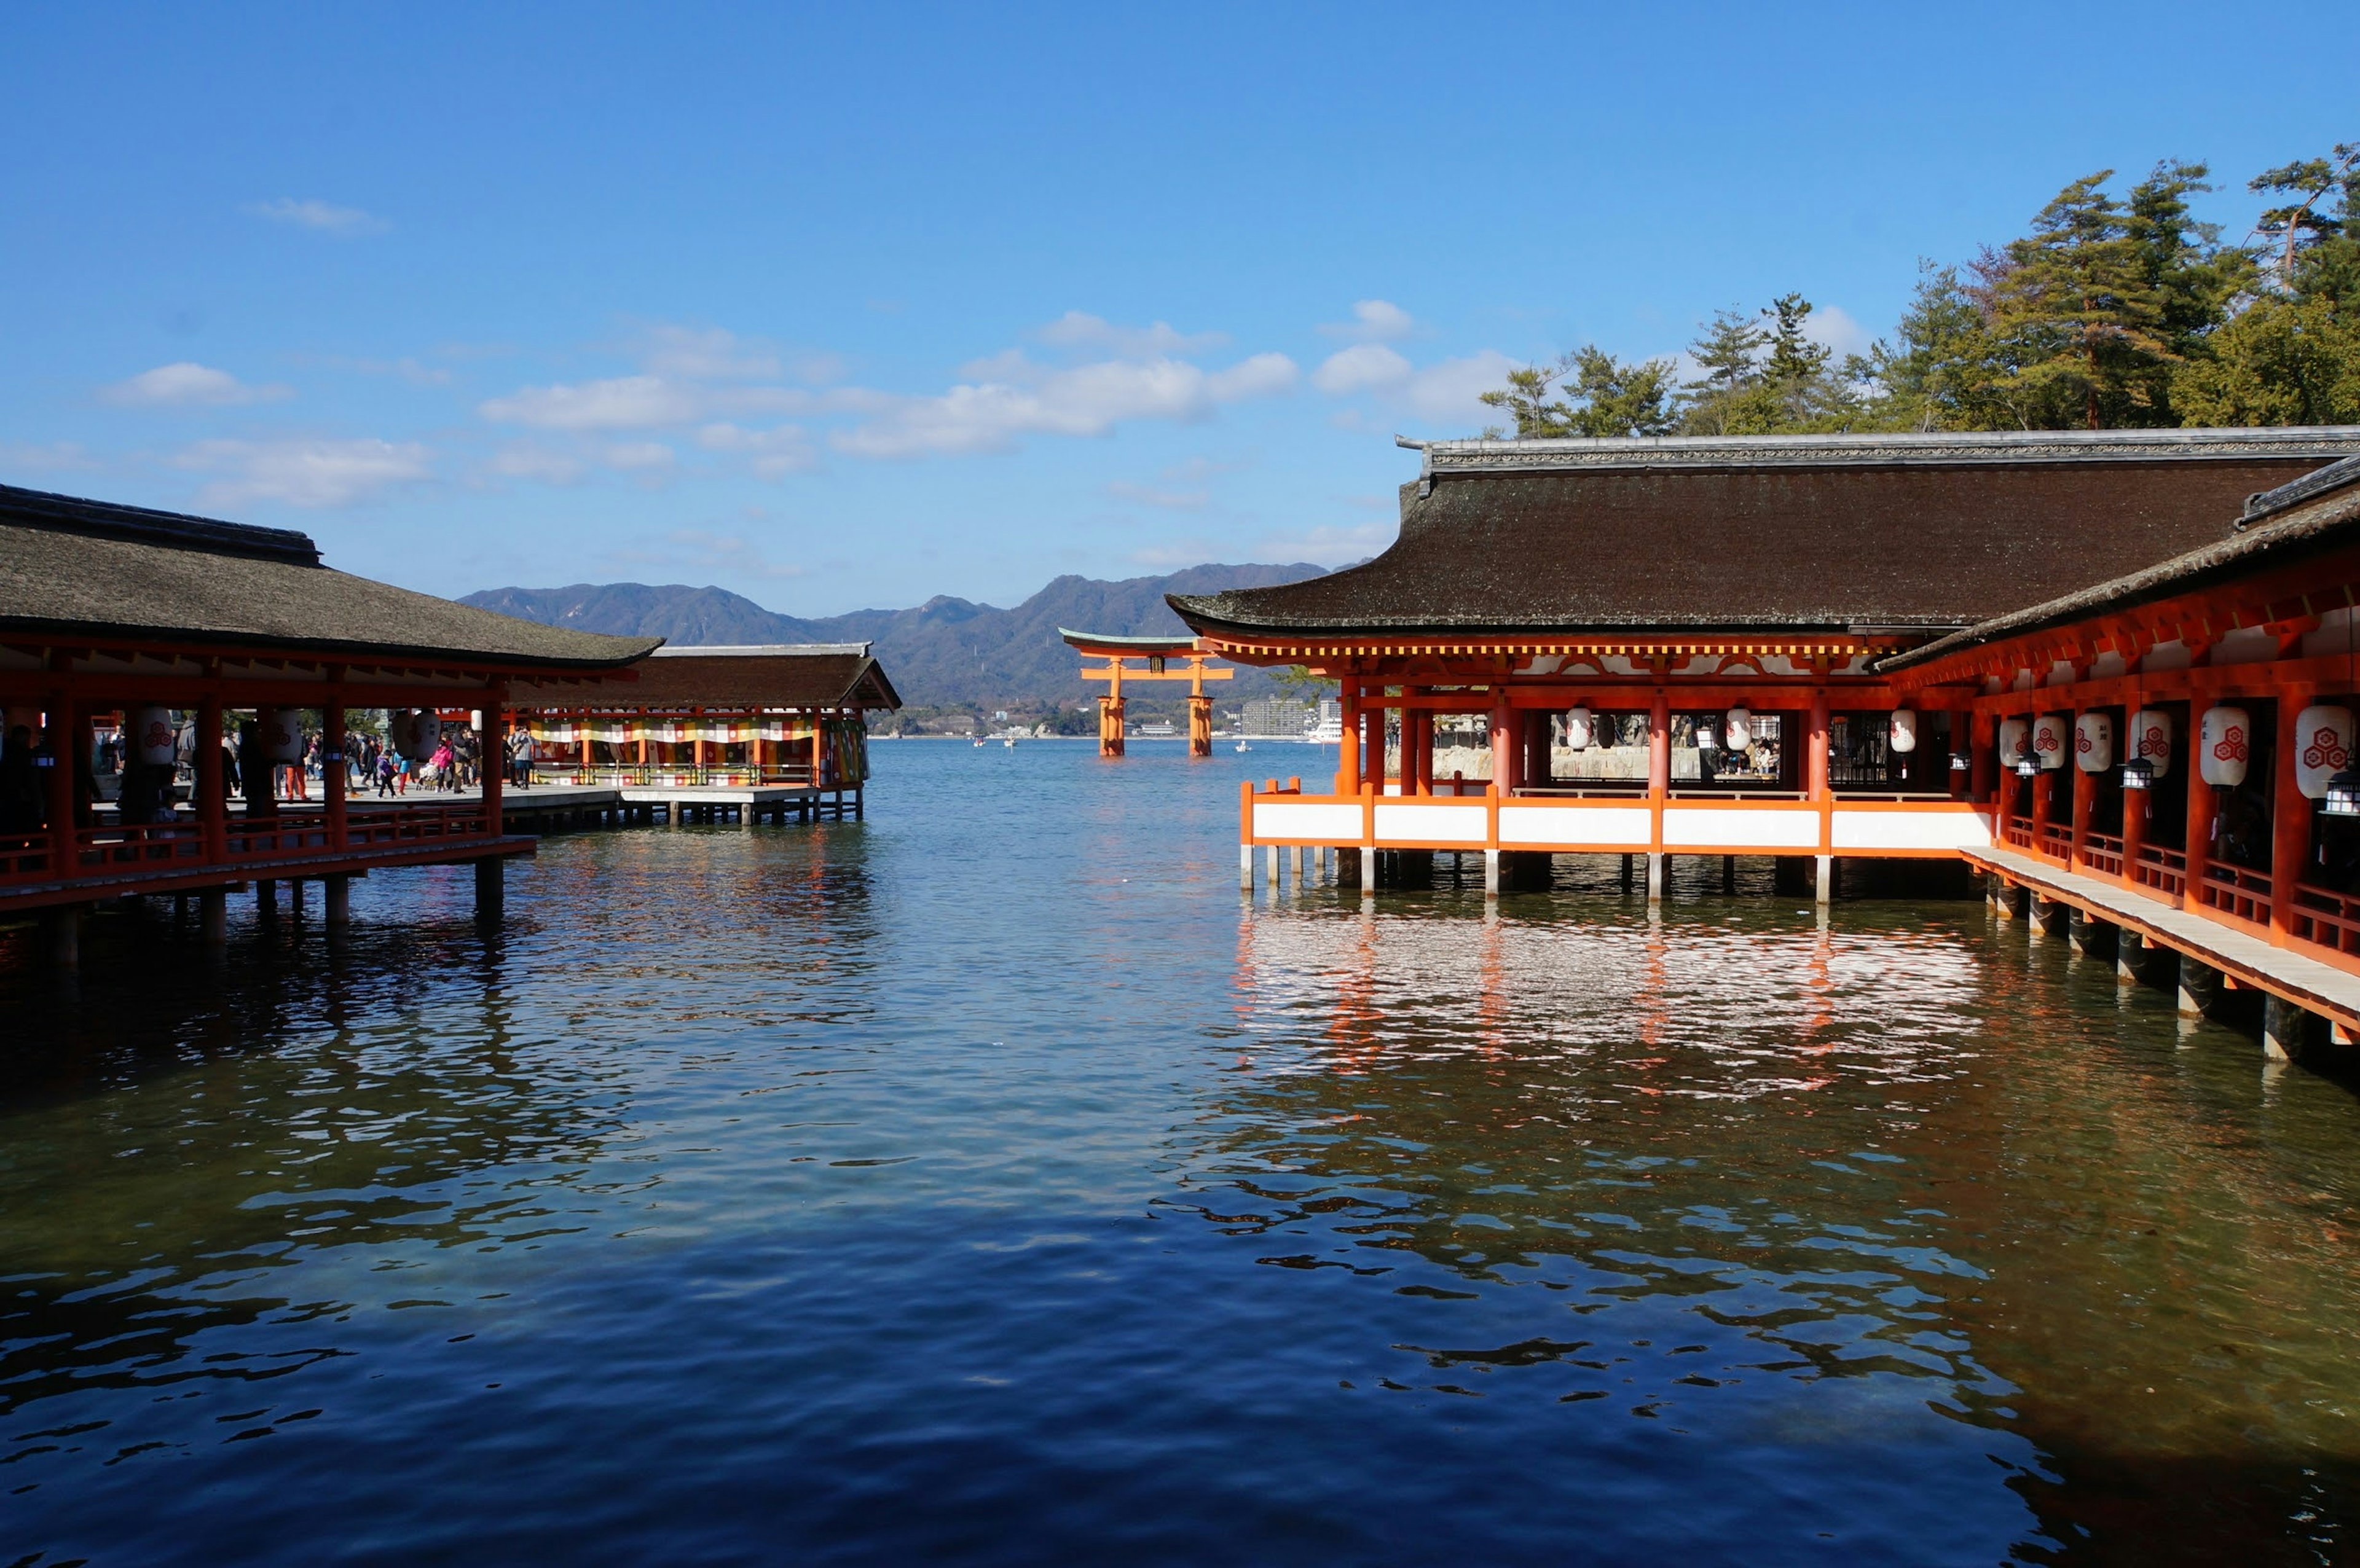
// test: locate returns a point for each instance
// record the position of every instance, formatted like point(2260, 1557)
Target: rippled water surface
point(988, 1182)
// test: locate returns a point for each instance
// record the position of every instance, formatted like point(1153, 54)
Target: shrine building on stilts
point(2111, 673)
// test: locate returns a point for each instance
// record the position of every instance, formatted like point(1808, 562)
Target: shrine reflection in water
point(916, 1188)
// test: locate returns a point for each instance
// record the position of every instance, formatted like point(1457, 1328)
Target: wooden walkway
point(2251, 959)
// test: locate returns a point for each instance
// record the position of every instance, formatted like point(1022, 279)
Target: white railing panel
point(1933, 827)
point(1609, 827)
point(1766, 828)
point(1439, 822)
point(1313, 821)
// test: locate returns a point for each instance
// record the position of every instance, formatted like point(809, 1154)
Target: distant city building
point(1276, 718)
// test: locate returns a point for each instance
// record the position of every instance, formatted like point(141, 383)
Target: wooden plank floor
point(2254, 960)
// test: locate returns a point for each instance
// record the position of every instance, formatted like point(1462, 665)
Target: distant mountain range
point(946, 652)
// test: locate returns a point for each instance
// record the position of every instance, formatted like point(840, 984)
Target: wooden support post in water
point(213, 916)
point(339, 902)
point(491, 889)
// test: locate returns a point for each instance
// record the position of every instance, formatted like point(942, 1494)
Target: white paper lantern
point(2015, 737)
point(151, 737)
point(1903, 733)
point(2322, 747)
point(2224, 743)
point(2094, 742)
point(282, 734)
point(1737, 728)
point(425, 735)
point(2048, 733)
point(1578, 729)
point(2150, 739)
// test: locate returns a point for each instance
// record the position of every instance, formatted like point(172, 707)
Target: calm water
point(987, 1182)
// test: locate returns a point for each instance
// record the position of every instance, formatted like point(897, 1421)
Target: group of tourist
point(149, 793)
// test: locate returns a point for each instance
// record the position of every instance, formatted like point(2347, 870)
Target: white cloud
point(1448, 391)
point(623, 403)
point(1452, 390)
point(1361, 368)
point(1078, 329)
point(637, 456)
point(1082, 400)
point(536, 463)
point(187, 385)
point(1373, 321)
point(345, 222)
point(706, 353)
point(773, 454)
point(44, 457)
point(700, 550)
point(1832, 325)
point(302, 472)
point(1330, 546)
point(1149, 496)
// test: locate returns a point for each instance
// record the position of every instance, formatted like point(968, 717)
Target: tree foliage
point(2110, 310)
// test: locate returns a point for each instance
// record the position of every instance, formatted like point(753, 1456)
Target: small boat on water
point(1009, 743)
point(1243, 747)
point(979, 743)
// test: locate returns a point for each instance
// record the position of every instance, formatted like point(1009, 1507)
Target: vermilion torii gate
point(1156, 654)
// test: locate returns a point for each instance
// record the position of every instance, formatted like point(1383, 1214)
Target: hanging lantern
point(1961, 763)
point(1903, 733)
point(2015, 743)
point(2150, 740)
point(2343, 797)
point(2322, 736)
point(2048, 733)
point(2224, 746)
point(1737, 728)
point(2094, 742)
point(1576, 729)
point(426, 734)
point(2138, 773)
point(152, 736)
point(282, 734)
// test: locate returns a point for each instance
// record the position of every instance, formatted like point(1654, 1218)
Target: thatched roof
point(1803, 533)
point(776, 675)
point(2307, 517)
point(94, 571)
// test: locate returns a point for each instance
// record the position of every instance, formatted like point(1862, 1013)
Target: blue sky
point(851, 306)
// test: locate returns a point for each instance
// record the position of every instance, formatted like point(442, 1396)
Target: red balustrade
point(2017, 831)
point(2103, 853)
point(2327, 918)
point(2236, 892)
point(2164, 870)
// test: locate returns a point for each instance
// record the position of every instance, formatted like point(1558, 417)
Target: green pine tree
point(2083, 323)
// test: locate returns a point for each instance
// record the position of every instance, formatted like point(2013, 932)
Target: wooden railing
point(2017, 833)
point(658, 775)
point(2327, 918)
point(246, 843)
point(2103, 853)
point(2057, 842)
point(2234, 891)
point(2164, 870)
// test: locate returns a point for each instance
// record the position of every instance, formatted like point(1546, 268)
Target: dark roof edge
point(84, 631)
point(2334, 476)
point(2294, 538)
point(1201, 613)
point(1945, 448)
point(142, 525)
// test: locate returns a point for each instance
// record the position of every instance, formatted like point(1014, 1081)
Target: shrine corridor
point(988, 1182)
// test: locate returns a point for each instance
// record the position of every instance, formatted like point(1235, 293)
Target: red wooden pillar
point(213, 788)
point(2085, 796)
point(2203, 806)
point(332, 771)
point(1373, 758)
point(1987, 781)
point(490, 738)
point(2134, 824)
point(2291, 815)
point(2044, 782)
point(1347, 750)
point(817, 742)
point(62, 790)
point(1504, 748)
point(1659, 745)
point(1816, 775)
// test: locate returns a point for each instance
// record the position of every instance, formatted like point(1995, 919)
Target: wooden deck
point(2252, 960)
